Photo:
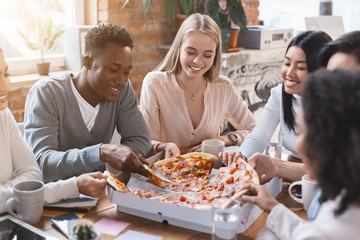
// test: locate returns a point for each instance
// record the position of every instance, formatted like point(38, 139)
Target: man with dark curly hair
point(70, 119)
point(328, 143)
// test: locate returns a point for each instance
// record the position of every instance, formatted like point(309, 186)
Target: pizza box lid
point(186, 217)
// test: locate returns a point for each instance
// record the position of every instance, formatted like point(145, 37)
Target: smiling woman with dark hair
point(328, 143)
point(301, 58)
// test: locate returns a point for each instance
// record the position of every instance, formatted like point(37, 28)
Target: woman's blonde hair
point(195, 22)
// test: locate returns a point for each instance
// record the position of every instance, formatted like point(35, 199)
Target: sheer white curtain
point(74, 12)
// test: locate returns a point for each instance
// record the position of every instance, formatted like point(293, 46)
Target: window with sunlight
point(25, 16)
point(22, 17)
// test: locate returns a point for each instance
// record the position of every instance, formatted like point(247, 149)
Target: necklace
point(192, 94)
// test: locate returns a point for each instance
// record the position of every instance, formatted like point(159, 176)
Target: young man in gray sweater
point(70, 119)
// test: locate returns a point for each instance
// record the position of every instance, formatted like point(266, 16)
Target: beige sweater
point(164, 108)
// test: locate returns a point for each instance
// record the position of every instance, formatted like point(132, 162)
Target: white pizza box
point(186, 217)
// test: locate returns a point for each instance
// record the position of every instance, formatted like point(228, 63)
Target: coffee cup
point(214, 147)
point(308, 191)
point(28, 201)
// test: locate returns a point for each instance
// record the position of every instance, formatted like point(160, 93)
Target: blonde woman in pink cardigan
point(185, 100)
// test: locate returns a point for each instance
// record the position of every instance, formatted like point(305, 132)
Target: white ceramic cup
point(308, 191)
point(213, 146)
point(225, 221)
point(28, 201)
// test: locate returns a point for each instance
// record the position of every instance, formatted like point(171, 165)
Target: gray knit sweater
point(60, 140)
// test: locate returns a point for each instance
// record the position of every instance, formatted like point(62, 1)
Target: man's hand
point(123, 158)
point(171, 149)
point(91, 184)
point(229, 157)
point(262, 197)
point(265, 166)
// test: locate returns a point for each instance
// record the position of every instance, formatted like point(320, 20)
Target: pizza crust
point(113, 181)
point(234, 197)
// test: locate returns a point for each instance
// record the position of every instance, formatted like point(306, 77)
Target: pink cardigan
point(163, 105)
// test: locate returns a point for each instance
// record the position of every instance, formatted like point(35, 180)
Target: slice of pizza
point(115, 183)
point(187, 166)
point(159, 181)
point(231, 182)
point(120, 186)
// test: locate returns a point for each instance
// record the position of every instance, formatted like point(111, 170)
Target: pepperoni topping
point(230, 180)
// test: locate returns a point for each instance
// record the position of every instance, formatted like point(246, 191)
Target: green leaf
point(170, 10)
point(225, 36)
point(146, 4)
point(51, 42)
point(28, 44)
point(213, 10)
point(233, 12)
point(237, 15)
point(146, 7)
point(186, 6)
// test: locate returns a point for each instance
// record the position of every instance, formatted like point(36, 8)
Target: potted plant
point(186, 6)
point(83, 230)
point(44, 41)
point(226, 12)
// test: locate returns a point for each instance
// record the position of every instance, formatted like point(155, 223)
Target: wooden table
point(105, 209)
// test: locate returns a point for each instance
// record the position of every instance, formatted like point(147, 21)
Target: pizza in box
point(189, 180)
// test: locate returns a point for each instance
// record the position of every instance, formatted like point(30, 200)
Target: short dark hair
point(97, 37)
point(310, 42)
point(348, 43)
point(332, 115)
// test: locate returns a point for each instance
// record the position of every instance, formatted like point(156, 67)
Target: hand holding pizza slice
point(120, 186)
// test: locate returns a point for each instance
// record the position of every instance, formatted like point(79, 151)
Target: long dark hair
point(310, 42)
point(332, 115)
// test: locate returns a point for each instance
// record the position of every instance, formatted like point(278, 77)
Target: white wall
point(291, 13)
point(350, 11)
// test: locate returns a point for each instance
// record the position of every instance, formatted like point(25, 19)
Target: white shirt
point(271, 117)
point(18, 164)
point(88, 112)
point(287, 225)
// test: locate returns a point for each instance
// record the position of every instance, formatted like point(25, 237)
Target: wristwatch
point(234, 138)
